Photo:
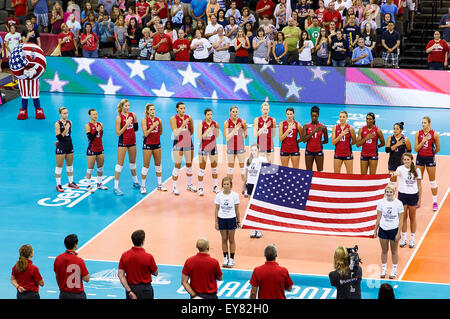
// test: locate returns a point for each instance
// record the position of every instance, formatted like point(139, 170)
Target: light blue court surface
point(32, 212)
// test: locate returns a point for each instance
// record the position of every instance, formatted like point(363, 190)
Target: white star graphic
point(293, 90)
point(267, 66)
point(240, 82)
point(318, 73)
point(110, 88)
point(137, 69)
point(84, 64)
point(189, 76)
point(56, 85)
point(162, 92)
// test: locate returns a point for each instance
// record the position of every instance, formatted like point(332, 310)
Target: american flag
point(26, 56)
point(293, 200)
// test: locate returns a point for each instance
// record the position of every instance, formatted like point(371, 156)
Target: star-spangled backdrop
point(195, 80)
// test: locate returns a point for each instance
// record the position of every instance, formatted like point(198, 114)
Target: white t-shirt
point(406, 182)
point(389, 213)
point(223, 54)
point(13, 40)
point(253, 169)
point(212, 28)
point(226, 204)
point(305, 55)
point(201, 52)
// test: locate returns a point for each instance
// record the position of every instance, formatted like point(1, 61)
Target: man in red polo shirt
point(200, 273)
point(330, 15)
point(162, 44)
point(265, 7)
point(270, 280)
point(136, 268)
point(70, 271)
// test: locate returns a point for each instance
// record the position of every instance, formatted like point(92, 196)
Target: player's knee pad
point(58, 170)
point(100, 170)
point(189, 170)
point(175, 171)
point(69, 169)
point(89, 171)
point(158, 169)
point(433, 184)
point(230, 170)
point(144, 171)
point(201, 172)
point(133, 166)
point(118, 168)
point(214, 170)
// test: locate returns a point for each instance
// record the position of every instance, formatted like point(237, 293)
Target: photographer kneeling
point(346, 281)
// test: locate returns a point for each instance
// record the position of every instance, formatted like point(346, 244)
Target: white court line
point(424, 235)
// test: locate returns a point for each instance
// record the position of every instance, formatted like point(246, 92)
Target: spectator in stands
point(368, 34)
point(56, 18)
point(89, 42)
point(372, 10)
point(292, 36)
point(200, 47)
point(201, 272)
point(279, 49)
point(305, 46)
point(41, 13)
point(67, 42)
point(70, 271)
point(247, 17)
point(339, 49)
point(93, 21)
point(181, 47)
point(320, 11)
point(332, 31)
point(265, 8)
point(362, 55)
point(352, 32)
point(342, 6)
point(84, 14)
point(231, 31)
point(346, 18)
point(162, 44)
point(390, 41)
point(162, 10)
point(322, 49)
point(11, 20)
point(220, 44)
point(170, 31)
point(445, 24)
point(270, 281)
point(72, 8)
point(212, 27)
point(198, 10)
point(314, 30)
point(281, 14)
point(176, 12)
point(115, 14)
point(269, 28)
point(74, 26)
point(332, 15)
point(437, 50)
point(119, 36)
point(187, 27)
point(221, 18)
point(200, 26)
point(153, 23)
point(142, 9)
point(25, 276)
point(261, 47)
point(211, 10)
point(302, 8)
point(386, 292)
point(389, 7)
point(358, 9)
point(347, 286)
point(309, 20)
point(108, 4)
point(136, 268)
point(233, 11)
point(106, 36)
point(384, 24)
point(12, 40)
point(20, 9)
point(30, 35)
point(130, 15)
point(242, 45)
point(133, 36)
point(367, 20)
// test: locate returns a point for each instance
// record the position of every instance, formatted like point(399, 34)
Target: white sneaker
point(230, 263)
point(258, 234)
point(175, 191)
point(200, 191)
point(393, 274)
point(143, 190)
point(216, 189)
point(225, 262)
point(90, 189)
point(403, 243)
point(162, 188)
point(383, 273)
point(102, 187)
point(191, 188)
point(412, 243)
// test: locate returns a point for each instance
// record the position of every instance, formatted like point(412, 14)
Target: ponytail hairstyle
point(427, 118)
point(250, 158)
point(341, 261)
point(120, 105)
point(206, 111)
point(147, 108)
point(372, 115)
point(24, 253)
point(400, 125)
point(412, 169)
point(62, 109)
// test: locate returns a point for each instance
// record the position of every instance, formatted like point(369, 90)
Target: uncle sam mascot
point(27, 63)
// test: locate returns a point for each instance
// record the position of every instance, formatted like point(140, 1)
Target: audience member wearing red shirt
point(181, 47)
point(66, 39)
point(12, 20)
point(330, 15)
point(89, 42)
point(142, 8)
point(270, 280)
point(437, 50)
point(265, 7)
point(162, 9)
point(70, 271)
point(201, 272)
point(162, 44)
point(136, 268)
point(20, 9)
point(25, 276)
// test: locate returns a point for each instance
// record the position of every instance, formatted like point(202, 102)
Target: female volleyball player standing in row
point(368, 137)
point(152, 129)
point(235, 131)
point(287, 133)
point(312, 136)
point(126, 127)
point(264, 128)
point(343, 137)
point(94, 153)
point(207, 132)
point(64, 149)
point(427, 145)
point(396, 145)
point(182, 127)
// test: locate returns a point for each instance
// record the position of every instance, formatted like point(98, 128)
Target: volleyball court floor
point(33, 212)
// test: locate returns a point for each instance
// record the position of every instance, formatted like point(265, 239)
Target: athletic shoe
point(90, 189)
point(253, 234)
point(245, 194)
point(191, 188)
point(230, 263)
point(59, 188)
point(23, 114)
point(118, 192)
point(143, 190)
point(258, 234)
point(216, 189)
point(435, 206)
point(102, 187)
point(412, 243)
point(403, 243)
point(225, 262)
point(200, 191)
point(175, 191)
point(40, 114)
point(162, 188)
point(383, 274)
point(137, 185)
point(73, 185)
point(393, 274)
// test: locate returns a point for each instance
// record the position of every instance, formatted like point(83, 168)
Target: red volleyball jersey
point(429, 146)
point(343, 147)
point(96, 145)
point(153, 137)
point(265, 140)
point(290, 144)
point(184, 139)
point(236, 143)
point(128, 137)
point(209, 141)
point(315, 142)
point(370, 147)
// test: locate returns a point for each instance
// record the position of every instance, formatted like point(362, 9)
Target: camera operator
point(346, 281)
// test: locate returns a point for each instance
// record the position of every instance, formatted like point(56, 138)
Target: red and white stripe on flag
point(29, 88)
point(337, 205)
